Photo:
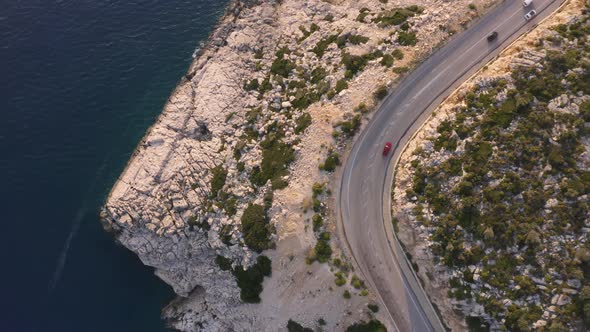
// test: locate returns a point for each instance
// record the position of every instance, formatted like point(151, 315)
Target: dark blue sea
point(80, 82)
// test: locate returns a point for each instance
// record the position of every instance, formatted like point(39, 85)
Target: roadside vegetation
point(504, 190)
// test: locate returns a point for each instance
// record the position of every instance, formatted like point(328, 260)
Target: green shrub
point(224, 263)
point(304, 98)
point(350, 127)
point(293, 326)
point(356, 282)
point(317, 189)
point(318, 74)
point(397, 54)
point(259, 53)
point(340, 280)
point(302, 123)
point(250, 280)
point(313, 28)
point(238, 149)
point(357, 39)
point(252, 85)
point(264, 86)
point(373, 307)
point(317, 205)
point(331, 162)
point(219, 175)
point(318, 222)
point(342, 84)
point(323, 249)
point(380, 93)
point(407, 38)
point(362, 14)
point(280, 65)
point(396, 16)
point(585, 110)
point(387, 60)
point(353, 64)
point(276, 157)
point(346, 294)
point(321, 46)
point(256, 228)
point(225, 234)
point(371, 326)
point(194, 221)
point(400, 70)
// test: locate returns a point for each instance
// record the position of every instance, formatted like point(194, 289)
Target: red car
point(387, 148)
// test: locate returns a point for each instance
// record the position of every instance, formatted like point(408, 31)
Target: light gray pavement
point(364, 194)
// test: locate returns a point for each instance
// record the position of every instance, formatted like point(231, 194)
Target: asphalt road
point(363, 196)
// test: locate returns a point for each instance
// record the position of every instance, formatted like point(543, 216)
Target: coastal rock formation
point(279, 87)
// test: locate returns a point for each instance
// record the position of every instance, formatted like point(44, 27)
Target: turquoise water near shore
point(81, 82)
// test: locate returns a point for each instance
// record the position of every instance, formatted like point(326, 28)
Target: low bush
point(342, 84)
point(252, 85)
point(397, 16)
point(331, 162)
point(322, 248)
point(304, 98)
point(318, 222)
point(264, 86)
point(340, 279)
point(276, 157)
point(357, 39)
point(280, 65)
point(219, 175)
point(397, 54)
point(302, 123)
point(353, 64)
point(250, 280)
point(362, 14)
point(387, 60)
point(350, 127)
point(256, 228)
point(400, 70)
point(224, 263)
point(321, 46)
point(380, 93)
point(371, 326)
point(317, 75)
point(407, 38)
point(313, 28)
point(356, 282)
point(293, 326)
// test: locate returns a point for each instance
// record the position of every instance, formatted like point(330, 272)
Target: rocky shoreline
point(279, 88)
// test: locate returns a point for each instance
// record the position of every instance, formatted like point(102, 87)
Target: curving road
point(364, 194)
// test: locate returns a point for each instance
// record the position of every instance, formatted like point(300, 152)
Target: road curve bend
point(365, 189)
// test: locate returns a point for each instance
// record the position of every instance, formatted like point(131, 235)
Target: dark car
point(387, 148)
point(492, 36)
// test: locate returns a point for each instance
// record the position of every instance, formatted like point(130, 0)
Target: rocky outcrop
point(179, 202)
